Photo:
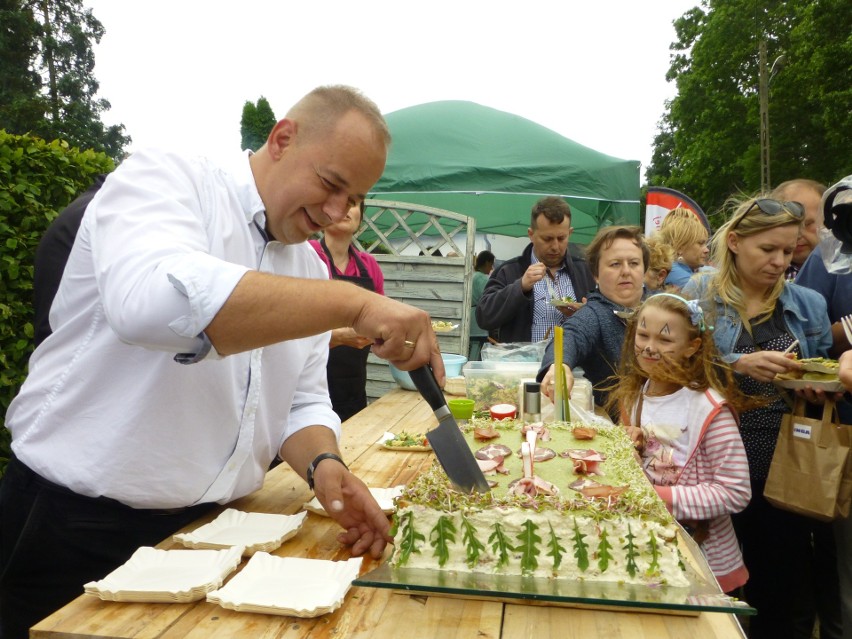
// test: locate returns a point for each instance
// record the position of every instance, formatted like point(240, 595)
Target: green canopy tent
point(493, 166)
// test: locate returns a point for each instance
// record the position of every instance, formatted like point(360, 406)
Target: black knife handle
point(424, 380)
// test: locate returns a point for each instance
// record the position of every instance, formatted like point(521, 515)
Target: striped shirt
point(545, 315)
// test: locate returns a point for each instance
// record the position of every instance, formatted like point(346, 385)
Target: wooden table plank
point(367, 612)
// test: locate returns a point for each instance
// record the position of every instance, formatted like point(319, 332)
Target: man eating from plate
point(189, 347)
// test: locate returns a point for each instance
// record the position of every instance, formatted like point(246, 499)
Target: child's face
point(661, 333)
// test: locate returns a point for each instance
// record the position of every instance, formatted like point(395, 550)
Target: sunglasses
point(774, 207)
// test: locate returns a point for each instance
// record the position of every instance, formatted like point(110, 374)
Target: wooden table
point(366, 612)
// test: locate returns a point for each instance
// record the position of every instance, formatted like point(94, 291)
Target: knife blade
point(447, 440)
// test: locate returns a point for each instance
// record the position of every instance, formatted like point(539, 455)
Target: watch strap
point(313, 466)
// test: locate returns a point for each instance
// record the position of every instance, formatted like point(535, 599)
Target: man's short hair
point(320, 110)
point(484, 257)
point(778, 193)
point(551, 207)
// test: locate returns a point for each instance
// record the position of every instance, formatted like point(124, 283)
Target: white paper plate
point(388, 437)
point(794, 384)
point(153, 575)
point(384, 496)
point(255, 531)
point(444, 329)
point(288, 586)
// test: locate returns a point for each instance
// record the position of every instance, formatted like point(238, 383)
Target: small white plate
point(384, 442)
point(384, 496)
point(794, 384)
point(444, 329)
point(154, 575)
point(256, 531)
point(288, 586)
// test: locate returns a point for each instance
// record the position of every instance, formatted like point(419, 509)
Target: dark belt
point(28, 474)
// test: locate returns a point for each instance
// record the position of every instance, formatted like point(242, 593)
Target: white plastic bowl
point(452, 363)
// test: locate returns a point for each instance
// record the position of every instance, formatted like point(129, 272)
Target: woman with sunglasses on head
point(758, 317)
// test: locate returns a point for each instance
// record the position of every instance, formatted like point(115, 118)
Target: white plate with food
point(254, 531)
point(820, 365)
point(384, 497)
point(167, 576)
point(443, 327)
point(406, 442)
point(292, 586)
point(562, 301)
point(829, 386)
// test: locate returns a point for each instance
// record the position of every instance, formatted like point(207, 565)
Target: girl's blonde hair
point(747, 220)
point(702, 370)
point(681, 229)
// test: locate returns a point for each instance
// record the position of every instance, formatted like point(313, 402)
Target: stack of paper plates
point(167, 576)
point(288, 586)
point(255, 531)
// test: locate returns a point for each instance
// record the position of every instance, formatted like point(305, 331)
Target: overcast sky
point(178, 72)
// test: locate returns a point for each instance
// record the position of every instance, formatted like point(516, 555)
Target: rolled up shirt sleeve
point(157, 261)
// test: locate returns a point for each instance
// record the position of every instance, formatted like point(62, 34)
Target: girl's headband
point(696, 313)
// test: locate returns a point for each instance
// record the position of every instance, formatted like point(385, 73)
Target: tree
point(47, 81)
point(708, 142)
point(256, 123)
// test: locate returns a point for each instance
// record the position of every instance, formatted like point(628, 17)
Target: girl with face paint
point(685, 431)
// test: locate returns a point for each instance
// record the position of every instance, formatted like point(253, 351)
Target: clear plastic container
point(489, 383)
point(581, 393)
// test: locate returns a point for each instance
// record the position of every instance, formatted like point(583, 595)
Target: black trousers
point(792, 565)
point(53, 541)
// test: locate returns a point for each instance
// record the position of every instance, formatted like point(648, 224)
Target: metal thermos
point(532, 402)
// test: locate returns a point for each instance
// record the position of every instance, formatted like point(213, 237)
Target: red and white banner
point(661, 200)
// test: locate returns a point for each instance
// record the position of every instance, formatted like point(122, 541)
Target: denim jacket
point(805, 316)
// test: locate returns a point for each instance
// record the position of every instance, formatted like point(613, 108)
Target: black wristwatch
point(313, 466)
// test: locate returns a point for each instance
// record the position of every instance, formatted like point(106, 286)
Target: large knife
point(447, 440)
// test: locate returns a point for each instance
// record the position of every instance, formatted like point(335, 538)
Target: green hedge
point(37, 180)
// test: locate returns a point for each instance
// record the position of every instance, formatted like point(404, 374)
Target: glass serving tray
point(703, 594)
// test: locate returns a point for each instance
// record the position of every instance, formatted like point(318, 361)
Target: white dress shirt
point(108, 408)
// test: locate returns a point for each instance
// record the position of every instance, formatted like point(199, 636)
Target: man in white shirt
point(189, 347)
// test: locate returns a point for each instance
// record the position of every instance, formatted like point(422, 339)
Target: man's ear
point(530, 233)
point(281, 137)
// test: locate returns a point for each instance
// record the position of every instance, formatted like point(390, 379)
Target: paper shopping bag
point(811, 469)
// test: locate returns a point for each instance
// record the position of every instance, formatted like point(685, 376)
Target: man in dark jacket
point(516, 301)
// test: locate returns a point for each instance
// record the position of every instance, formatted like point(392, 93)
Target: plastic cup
point(461, 408)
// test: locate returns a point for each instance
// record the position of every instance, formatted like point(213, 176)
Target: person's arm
point(582, 333)
point(344, 497)
point(502, 298)
point(729, 488)
point(261, 311)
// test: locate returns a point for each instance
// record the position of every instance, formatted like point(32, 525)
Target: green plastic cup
point(461, 408)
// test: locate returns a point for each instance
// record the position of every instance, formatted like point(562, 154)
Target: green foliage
point(632, 553)
point(581, 548)
point(37, 180)
point(554, 549)
point(410, 538)
point(528, 543)
point(256, 123)
point(442, 535)
point(708, 141)
point(47, 84)
point(473, 547)
point(603, 551)
point(500, 544)
point(654, 566)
